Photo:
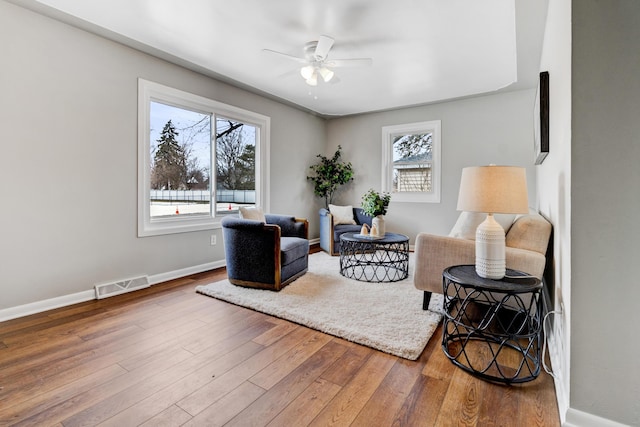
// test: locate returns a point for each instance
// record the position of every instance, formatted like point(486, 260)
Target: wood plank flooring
point(166, 356)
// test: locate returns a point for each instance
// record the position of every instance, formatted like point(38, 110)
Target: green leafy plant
point(374, 203)
point(330, 173)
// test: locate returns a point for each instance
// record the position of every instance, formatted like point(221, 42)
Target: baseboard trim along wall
point(48, 304)
point(176, 274)
point(577, 418)
point(88, 295)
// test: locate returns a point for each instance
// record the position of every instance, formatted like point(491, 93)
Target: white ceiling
point(423, 51)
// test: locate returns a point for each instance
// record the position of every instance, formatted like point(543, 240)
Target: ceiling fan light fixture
point(307, 72)
point(326, 74)
point(313, 80)
point(315, 61)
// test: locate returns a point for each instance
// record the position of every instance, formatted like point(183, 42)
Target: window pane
point(412, 163)
point(180, 145)
point(235, 164)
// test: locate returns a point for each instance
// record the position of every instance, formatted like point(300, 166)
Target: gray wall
point(68, 111)
point(476, 131)
point(605, 379)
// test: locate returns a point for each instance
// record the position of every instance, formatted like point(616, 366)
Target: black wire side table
point(492, 328)
point(374, 260)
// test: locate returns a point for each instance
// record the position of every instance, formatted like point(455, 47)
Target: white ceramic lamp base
point(490, 252)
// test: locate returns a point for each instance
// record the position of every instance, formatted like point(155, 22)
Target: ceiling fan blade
point(324, 46)
point(291, 57)
point(354, 62)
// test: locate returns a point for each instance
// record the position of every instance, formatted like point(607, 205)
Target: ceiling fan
point(316, 61)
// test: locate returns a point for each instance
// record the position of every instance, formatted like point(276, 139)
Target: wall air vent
point(116, 288)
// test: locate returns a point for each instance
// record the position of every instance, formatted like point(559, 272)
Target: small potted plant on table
point(375, 204)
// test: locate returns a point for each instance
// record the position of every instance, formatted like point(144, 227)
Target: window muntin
point(175, 134)
point(411, 161)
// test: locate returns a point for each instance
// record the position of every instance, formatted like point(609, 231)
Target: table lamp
point(492, 189)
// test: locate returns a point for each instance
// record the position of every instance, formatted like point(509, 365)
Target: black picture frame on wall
point(541, 119)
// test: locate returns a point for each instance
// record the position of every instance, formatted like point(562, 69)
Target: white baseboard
point(576, 418)
point(48, 304)
point(176, 274)
point(88, 295)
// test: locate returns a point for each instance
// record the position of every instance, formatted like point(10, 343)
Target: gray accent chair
point(265, 255)
point(330, 233)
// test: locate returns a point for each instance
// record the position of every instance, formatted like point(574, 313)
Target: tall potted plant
point(330, 173)
point(375, 204)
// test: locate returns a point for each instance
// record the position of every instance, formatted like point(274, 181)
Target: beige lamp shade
point(493, 189)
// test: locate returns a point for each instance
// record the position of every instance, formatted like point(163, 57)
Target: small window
point(411, 161)
point(198, 160)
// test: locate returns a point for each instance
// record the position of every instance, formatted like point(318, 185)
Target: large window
point(198, 160)
point(411, 161)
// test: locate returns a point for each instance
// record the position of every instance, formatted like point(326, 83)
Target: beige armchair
point(526, 245)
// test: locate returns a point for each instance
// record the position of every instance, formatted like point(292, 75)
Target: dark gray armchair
point(330, 232)
point(265, 255)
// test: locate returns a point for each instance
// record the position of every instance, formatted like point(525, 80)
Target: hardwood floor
point(167, 356)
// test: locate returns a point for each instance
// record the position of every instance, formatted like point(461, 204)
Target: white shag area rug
point(384, 316)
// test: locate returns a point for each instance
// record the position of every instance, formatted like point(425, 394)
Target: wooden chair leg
point(425, 300)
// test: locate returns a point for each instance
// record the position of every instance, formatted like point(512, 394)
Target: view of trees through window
point(182, 160)
point(412, 162)
point(235, 163)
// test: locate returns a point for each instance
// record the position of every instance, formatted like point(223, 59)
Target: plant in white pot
point(375, 204)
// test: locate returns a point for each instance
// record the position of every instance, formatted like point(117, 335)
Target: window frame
point(388, 133)
point(150, 91)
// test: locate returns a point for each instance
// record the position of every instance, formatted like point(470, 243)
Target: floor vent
point(116, 288)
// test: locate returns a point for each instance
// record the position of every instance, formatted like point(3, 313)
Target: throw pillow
point(342, 214)
point(505, 220)
point(254, 213)
point(465, 227)
point(468, 222)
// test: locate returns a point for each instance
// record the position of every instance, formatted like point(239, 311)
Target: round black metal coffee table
point(374, 260)
point(492, 328)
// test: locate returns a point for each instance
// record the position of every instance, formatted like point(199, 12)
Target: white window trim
point(388, 132)
point(149, 91)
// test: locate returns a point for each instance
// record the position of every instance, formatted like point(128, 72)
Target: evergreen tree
point(247, 168)
point(169, 170)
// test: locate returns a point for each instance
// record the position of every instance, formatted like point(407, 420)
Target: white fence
point(204, 196)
